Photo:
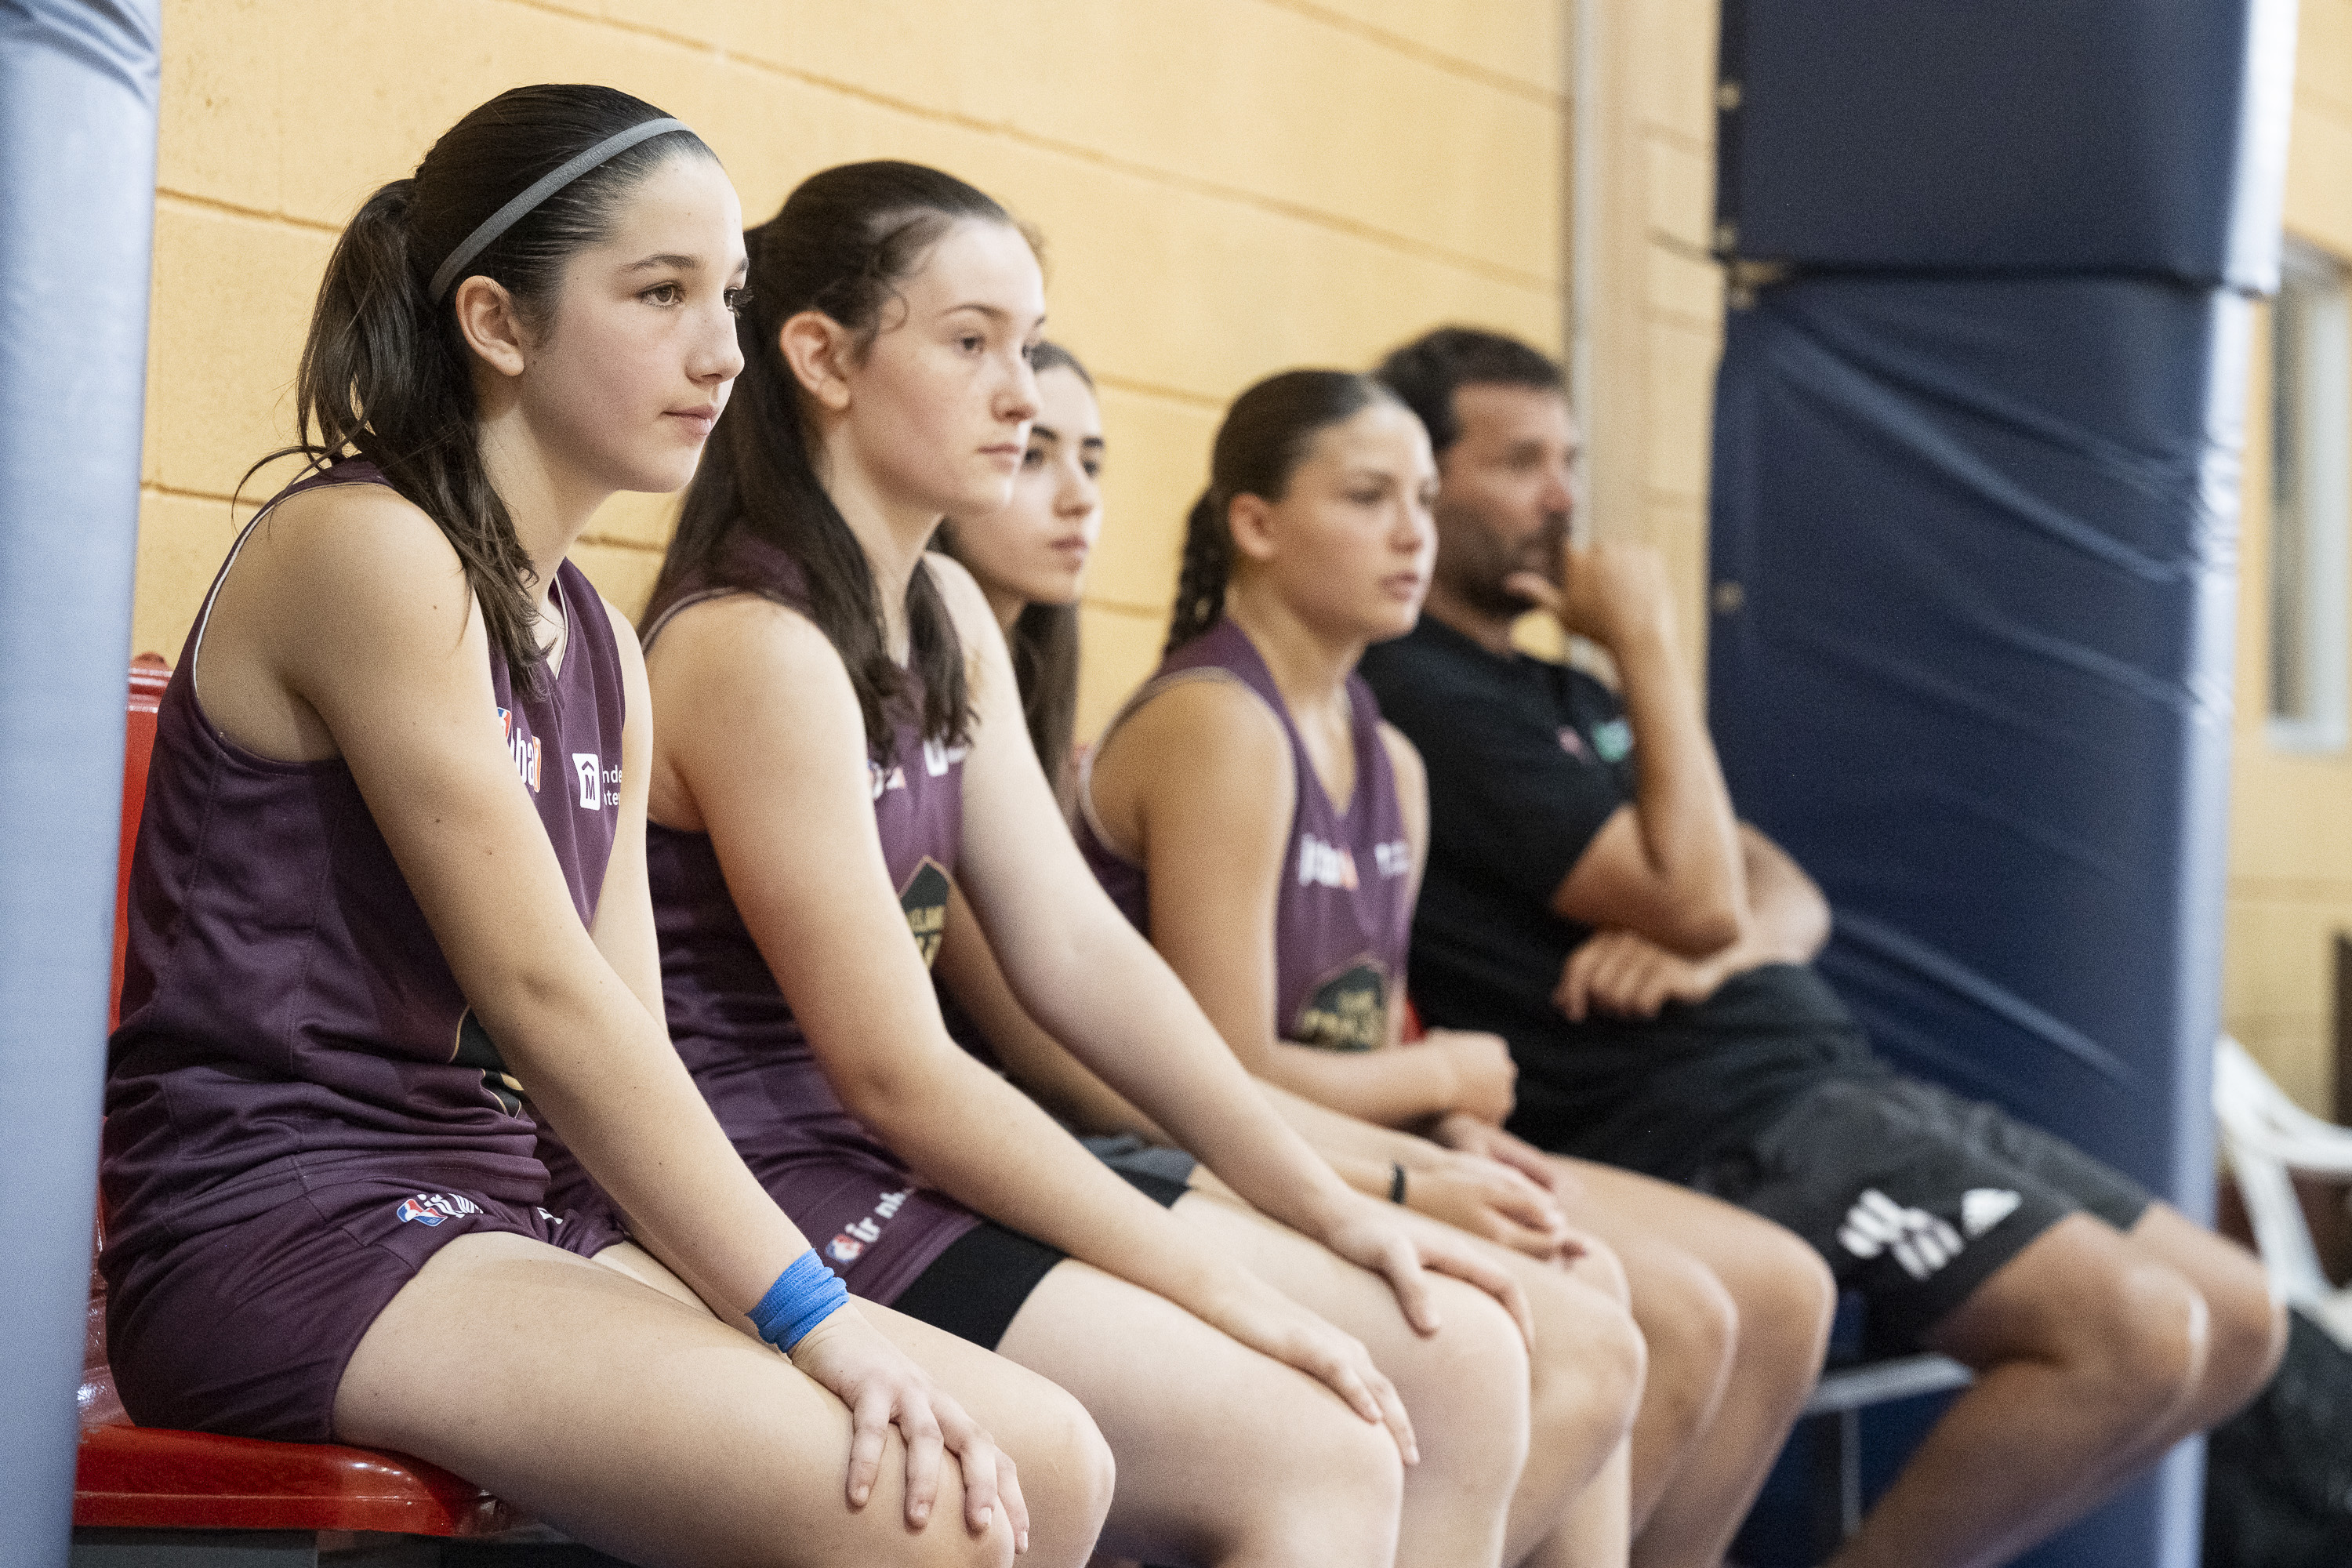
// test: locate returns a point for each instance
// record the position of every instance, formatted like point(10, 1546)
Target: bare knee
point(1602, 1269)
point(1468, 1390)
point(1065, 1468)
point(1330, 1478)
point(946, 1543)
point(1787, 1299)
point(2245, 1337)
point(2142, 1345)
point(1590, 1364)
point(1693, 1327)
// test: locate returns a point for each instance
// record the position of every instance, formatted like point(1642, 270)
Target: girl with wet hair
point(841, 736)
point(1251, 812)
point(391, 880)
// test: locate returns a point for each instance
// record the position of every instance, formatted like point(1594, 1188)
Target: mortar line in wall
point(165, 197)
point(1125, 607)
point(182, 492)
point(1412, 49)
point(2293, 890)
point(1706, 326)
point(1668, 239)
point(1191, 399)
point(1334, 222)
point(1702, 145)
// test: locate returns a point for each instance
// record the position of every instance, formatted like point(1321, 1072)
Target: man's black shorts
point(1915, 1195)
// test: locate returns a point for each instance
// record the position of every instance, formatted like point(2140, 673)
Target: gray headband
point(538, 190)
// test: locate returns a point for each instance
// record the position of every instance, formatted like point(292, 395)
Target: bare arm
point(412, 720)
point(1669, 865)
point(1032, 1059)
point(783, 789)
point(1788, 918)
point(1199, 783)
point(1625, 973)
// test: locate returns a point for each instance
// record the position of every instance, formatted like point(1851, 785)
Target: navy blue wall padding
point(1979, 683)
point(2131, 136)
point(77, 94)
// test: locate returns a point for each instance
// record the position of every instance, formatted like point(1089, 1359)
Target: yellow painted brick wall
point(2291, 815)
point(1656, 320)
point(1228, 188)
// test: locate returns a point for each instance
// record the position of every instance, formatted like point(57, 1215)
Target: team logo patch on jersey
point(938, 758)
point(860, 1234)
point(475, 1049)
point(521, 746)
point(432, 1208)
point(1322, 865)
point(1348, 1011)
point(1614, 740)
point(925, 901)
point(1393, 860)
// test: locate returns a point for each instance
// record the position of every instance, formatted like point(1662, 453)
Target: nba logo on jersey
point(591, 769)
point(844, 1249)
point(522, 748)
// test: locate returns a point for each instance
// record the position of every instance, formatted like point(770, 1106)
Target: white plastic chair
point(2267, 1136)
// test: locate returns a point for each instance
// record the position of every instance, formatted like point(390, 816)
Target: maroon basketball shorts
point(247, 1329)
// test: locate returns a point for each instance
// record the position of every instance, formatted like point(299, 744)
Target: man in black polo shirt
point(1591, 898)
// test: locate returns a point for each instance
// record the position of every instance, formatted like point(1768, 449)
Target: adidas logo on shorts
point(1921, 1242)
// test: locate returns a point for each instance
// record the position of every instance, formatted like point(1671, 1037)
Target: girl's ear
point(817, 348)
point(1250, 520)
point(487, 320)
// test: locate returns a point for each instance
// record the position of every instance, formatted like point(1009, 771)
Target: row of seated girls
point(527, 1031)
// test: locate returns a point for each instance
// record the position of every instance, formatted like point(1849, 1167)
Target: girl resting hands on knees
point(1253, 813)
point(390, 879)
point(841, 737)
point(1571, 1504)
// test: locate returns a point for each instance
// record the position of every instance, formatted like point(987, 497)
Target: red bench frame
point(149, 1479)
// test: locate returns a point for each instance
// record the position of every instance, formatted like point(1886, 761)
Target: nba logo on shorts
point(434, 1208)
point(844, 1249)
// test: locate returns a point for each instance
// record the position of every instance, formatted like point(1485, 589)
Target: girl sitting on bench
point(391, 876)
point(1249, 810)
point(1026, 561)
point(840, 736)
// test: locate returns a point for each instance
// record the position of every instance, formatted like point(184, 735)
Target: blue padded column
point(1979, 683)
point(77, 100)
point(1975, 502)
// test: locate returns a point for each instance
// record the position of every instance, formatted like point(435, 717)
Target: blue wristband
point(805, 1295)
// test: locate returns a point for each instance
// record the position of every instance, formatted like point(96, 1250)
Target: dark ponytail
point(1266, 435)
point(842, 245)
point(385, 375)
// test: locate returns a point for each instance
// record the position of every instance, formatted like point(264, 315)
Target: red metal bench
point(144, 1495)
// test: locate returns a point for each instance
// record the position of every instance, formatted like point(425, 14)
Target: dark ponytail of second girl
point(385, 375)
point(843, 243)
point(1264, 436)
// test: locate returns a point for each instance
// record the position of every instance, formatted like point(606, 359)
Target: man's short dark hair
point(1426, 373)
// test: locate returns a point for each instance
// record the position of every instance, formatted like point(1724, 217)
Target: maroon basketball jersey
point(1343, 913)
point(849, 1194)
point(289, 1020)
